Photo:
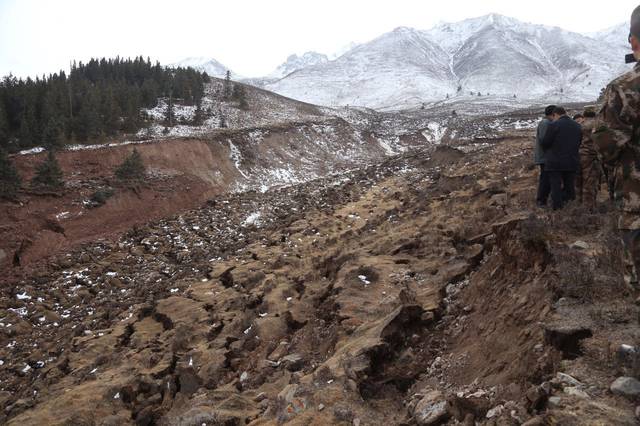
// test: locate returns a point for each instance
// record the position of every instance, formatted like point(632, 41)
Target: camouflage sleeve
point(613, 130)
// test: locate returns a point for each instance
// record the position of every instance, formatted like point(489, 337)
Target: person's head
point(558, 112)
point(589, 113)
point(578, 118)
point(634, 32)
point(548, 111)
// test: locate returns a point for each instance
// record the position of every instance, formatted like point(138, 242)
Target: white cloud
point(250, 36)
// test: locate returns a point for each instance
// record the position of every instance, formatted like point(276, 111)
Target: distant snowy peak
point(212, 67)
point(295, 62)
point(491, 54)
point(616, 35)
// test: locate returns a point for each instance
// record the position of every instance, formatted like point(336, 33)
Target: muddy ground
point(426, 289)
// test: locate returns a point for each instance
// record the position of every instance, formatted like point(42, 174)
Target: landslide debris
point(422, 290)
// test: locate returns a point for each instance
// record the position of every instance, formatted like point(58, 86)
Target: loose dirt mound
point(421, 290)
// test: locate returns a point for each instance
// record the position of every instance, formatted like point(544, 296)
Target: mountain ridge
point(488, 55)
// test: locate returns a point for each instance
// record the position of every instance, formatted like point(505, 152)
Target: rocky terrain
point(422, 288)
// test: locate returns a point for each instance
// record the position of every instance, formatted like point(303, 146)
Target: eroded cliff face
point(422, 289)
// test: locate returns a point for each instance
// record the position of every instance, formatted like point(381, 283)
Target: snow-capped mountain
point(616, 35)
point(295, 62)
point(490, 54)
point(397, 67)
point(209, 65)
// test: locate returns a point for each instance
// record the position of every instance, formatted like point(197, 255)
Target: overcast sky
point(251, 37)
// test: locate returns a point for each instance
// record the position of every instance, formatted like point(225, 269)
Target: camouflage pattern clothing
point(617, 138)
point(590, 172)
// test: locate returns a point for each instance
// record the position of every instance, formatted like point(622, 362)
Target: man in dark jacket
point(561, 145)
point(544, 187)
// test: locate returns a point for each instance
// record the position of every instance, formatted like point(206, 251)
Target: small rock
point(495, 412)
point(498, 200)
point(626, 355)
point(189, 381)
point(536, 397)
point(320, 407)
point(288, 393)
point(293, 362)
point(554, 401)
point(581, 245)
point(356, 422)
point(568, 380)
point(431, 409)
point(572, 390)
point(343, 414)
point(638, 411)
point(626, 386)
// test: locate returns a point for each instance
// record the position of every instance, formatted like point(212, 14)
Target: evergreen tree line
point(99, 99)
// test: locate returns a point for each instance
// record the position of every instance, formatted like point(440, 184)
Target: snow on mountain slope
point(398, 67)
point(209, 65)
point(492, 54)
point(295, 62)
point(616, 35)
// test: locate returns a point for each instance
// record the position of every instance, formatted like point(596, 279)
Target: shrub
point(100, 197)
point(48, 174)
point(132, 169)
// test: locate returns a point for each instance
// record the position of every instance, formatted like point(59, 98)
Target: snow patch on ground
point(236, 156)
point(252, 219)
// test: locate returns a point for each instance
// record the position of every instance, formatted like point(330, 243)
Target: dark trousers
point(562, 187)
point(544, 187)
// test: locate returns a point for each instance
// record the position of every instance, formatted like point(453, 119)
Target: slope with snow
point(616, 35)
point(212, 67)
point(492, 54)
point(398, 67)
point(295, 62)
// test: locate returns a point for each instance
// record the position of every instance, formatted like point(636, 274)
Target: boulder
point(431, 409)
point(626, 386)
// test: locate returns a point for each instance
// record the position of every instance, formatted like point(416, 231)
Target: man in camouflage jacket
point(617, 138)
point(590, 173)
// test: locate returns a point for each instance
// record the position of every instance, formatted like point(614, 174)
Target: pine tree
point(459, 88)
point(169, 113)
point(48, 174)
point(9, 178)
point(52, 135)
point(198, 117)
point(240, 95)
point(228, 85)
point(132, 168)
